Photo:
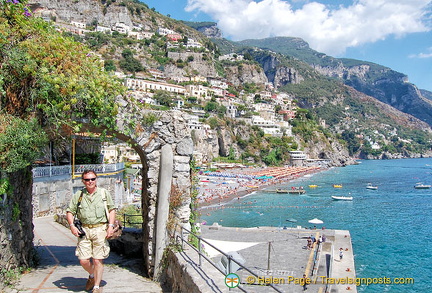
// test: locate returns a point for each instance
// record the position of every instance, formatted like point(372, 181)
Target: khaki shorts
point(94, 244)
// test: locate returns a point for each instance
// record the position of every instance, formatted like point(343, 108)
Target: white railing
point(39, 172)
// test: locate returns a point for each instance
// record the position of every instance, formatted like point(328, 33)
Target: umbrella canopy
point(316, 221)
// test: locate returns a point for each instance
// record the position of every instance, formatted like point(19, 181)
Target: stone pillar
point(164, 189)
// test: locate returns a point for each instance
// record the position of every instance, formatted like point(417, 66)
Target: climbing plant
point(49, 80)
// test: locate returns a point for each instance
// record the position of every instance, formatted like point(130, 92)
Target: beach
point(224, 185)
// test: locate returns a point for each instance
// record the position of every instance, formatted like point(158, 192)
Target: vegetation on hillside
point(47, 80)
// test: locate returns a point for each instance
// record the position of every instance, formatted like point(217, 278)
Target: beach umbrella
point(316, 221)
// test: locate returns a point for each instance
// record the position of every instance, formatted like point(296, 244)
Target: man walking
point(89, 205)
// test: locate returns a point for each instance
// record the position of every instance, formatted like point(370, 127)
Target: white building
point(198, 91)
point(147, 85)
point(78, 24)
point(103, 29)
point(121, 28)
point(115, 153)
point(164, 31)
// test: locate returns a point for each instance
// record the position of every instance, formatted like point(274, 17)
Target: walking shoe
point(89, 284)
point(97, 290)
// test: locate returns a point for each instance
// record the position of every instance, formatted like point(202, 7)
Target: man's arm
point(70, 219)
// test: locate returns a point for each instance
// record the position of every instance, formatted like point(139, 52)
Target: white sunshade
point(316, 221)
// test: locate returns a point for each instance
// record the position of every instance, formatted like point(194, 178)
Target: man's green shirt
point(92, 208)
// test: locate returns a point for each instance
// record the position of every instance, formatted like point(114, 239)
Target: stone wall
point(169, 128)
point(51, 195)
point(16, 227)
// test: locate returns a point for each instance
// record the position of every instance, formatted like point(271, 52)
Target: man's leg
point(87, 265)
point(98, 271)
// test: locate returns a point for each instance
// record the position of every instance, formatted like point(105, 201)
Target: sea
point(391, 227)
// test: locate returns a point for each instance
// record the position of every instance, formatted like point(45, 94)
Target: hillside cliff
point(380, 82)
point(339, 100)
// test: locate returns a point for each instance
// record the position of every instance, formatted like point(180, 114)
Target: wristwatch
point(111, 225)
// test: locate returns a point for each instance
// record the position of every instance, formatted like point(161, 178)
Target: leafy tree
point(164, 98)
point(48, 78)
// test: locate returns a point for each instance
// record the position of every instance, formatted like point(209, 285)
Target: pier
point(281, 257)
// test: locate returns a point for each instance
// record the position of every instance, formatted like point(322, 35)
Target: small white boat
point(371, 187)
point(334, 197)
point(422, 186)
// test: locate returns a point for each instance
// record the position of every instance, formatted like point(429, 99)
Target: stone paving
point(59, 270)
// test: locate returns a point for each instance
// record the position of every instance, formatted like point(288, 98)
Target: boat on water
point(337, 185)
point(334, 197)
point(371, 187)
point(279, 190)
point(422, 186)
point(297, 191)
point(313, 186)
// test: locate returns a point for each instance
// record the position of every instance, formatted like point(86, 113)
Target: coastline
point(218, 188)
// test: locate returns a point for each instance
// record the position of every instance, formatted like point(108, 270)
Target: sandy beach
point(222, 186)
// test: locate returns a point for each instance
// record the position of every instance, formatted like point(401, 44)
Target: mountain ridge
point(333, 109)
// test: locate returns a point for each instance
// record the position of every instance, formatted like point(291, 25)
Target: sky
point(392, 33)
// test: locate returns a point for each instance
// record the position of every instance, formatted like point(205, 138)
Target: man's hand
point(110, 232)
point(75, 231)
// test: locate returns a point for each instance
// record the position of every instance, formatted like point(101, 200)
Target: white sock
point(96, 287)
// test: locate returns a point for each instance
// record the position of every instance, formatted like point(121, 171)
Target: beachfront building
point(297, 158)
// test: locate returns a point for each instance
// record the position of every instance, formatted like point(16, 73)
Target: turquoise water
point(391, 227)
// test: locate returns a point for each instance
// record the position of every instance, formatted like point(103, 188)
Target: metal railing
point(127, 220)
point(50, 171)
point(201, 254)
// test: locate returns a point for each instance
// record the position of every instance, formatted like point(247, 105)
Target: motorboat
point(371, 187)
point(334, 197)
point(313, 186)
point(297, 191)
point(337, 185)
point(279, 190)
point(422, 186)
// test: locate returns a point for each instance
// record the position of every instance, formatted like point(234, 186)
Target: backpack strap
point(104, 199)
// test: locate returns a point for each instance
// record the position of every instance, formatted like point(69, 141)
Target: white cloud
point(422, 55)
point(326, 30)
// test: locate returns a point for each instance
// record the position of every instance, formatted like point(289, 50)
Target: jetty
point(280, 257)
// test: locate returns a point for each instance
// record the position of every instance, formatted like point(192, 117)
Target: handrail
point(50, 171)
point(125, 216)
point(229, 257)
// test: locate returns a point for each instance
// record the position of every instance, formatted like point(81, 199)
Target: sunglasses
point(89, 179)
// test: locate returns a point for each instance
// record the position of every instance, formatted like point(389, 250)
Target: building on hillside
point(231, 111)
point(198, 78)
point(103, 29)
point(78, 24)
point(191, 43)
point(287, 114)
point(115, 153)
point(217, 92)
point(156, 73)
point(193, 123)
point(174, 37)
point(218, 83)
point(164, 31)
point(147, 34)
point(121, 28)
point(268, 126)
point(147, 85)
point(231, 57)
point(198, 91)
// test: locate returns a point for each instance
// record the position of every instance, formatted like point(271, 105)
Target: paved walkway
point(59, 269)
